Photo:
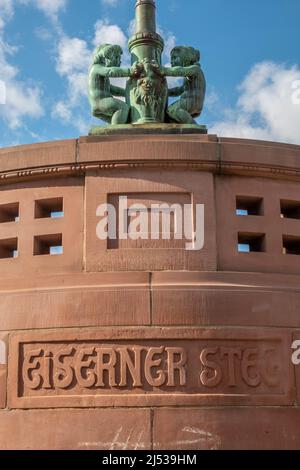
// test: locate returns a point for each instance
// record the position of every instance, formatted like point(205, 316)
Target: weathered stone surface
point(242, 156)
point(211, 299)
point(149, 255)
point(95, 299)
point(151, 148)
point(148, 129)
point(75, 430)
point(3, 368)
point(46, 153)
point(227, 429)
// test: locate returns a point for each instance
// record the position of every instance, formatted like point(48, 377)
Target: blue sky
point(250, 55)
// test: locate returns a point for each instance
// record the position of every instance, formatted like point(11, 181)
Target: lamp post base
point(149, 128)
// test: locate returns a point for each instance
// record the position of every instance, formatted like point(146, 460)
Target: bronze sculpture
point(106, 64)
point(185, 62)
point(147, 93)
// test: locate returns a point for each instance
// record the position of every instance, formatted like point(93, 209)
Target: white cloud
point(21, 102)
point(111, 3)
point(22, 99)
point(73, 61)
point(62, 111)
point(265, 108)
point(131, 27)
point(74, 57)
point(106, 33)
point(211, 99)
point(6, 12)
point(50, 8)
point(43, 33)
point(170, 42)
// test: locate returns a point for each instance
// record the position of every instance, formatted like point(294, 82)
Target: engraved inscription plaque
point(168, 367)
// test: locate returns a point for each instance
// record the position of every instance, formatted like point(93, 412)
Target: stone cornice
point(195, 153)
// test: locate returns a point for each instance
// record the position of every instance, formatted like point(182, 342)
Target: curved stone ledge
point(150, 299)
point(204, 153)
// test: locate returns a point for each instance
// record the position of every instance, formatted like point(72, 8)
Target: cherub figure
point(185, 63)
point(106, 64)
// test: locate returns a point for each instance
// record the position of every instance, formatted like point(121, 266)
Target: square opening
point(48, 245)
point(248, 205)
point(9, 248)
point(251, 242)
point(49, 208)
point(291, 245)
point(9, 212)
point(290, 209)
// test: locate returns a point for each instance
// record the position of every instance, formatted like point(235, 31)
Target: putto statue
point(106, 64)
point(146, 94)
point(185, 63)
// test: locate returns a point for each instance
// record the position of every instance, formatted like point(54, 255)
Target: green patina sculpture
point(146, 94)
point(107, 61)
point(185, 63)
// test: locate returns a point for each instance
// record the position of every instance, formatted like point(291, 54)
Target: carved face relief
point(145, 91)
point(147, 84)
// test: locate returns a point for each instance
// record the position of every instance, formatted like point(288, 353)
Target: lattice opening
point(290, 209)
point(251, 242)
point(248, 205)
point(49, 208)
point(9, 248)
point(48, 245)
point(9, 212)
point(291, 245)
